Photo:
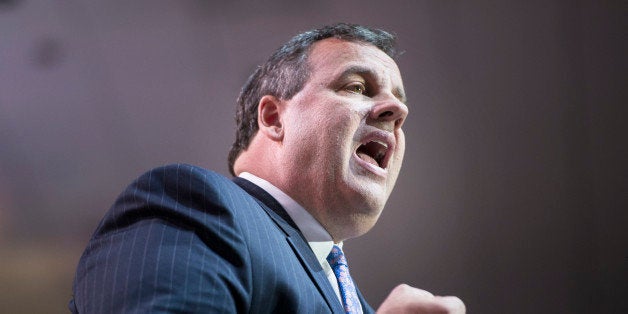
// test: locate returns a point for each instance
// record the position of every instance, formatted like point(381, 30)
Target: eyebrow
point(364, 71)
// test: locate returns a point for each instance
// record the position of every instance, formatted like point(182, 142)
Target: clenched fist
point(406, 299)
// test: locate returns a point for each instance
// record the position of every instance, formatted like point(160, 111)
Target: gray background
point(513, 191)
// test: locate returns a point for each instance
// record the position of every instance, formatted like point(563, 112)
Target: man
point(318, 149)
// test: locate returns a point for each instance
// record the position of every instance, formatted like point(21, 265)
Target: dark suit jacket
point(184, 239)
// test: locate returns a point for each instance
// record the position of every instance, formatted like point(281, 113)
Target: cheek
point(397, 158)
point(401, 145)
point(325, 127)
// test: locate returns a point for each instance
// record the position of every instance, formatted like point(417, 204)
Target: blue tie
point(348, 294)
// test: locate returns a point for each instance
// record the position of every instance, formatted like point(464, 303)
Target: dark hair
point(286, 71)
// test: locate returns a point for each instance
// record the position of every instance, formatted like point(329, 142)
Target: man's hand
point(406, 299)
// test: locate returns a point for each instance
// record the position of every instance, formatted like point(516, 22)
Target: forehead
point(333, 56)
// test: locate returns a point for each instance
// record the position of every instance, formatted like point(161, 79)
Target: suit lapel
point(297, 241)
point(366, 308)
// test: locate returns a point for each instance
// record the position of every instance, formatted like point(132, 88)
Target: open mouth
point(374, 152)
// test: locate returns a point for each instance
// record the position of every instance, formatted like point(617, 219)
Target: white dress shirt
point(317, 237)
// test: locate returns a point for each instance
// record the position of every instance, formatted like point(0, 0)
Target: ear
point(269, 117)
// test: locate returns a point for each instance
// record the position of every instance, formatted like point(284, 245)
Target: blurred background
point(513, 194)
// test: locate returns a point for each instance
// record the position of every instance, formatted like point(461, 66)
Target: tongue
point(368, 158)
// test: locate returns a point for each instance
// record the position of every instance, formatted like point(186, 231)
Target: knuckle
point(453, 304)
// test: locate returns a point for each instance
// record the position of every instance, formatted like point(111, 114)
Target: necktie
point(348, 294)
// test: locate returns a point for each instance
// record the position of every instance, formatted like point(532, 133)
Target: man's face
point(343, 137)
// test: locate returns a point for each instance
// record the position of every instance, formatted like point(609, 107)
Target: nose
point(389, 113)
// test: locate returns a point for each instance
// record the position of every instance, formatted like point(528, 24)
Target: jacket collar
point(295, 238)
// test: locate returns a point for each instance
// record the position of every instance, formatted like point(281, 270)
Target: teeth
point(381, 143)
point(374, 152)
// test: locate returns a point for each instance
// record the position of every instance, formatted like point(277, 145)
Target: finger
point(409, 291)
point(452, 304)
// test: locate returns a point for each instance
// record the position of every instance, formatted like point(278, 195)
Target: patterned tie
point(349, 296)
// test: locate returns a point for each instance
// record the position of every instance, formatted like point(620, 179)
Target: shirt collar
point(317, 237)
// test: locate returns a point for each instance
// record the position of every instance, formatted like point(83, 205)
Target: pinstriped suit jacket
point(187, 240)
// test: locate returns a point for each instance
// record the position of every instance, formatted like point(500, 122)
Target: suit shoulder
point(177, 193)
point(187, 170)
point(183, 177)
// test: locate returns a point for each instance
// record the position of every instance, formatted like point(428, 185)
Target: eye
point(356, 88)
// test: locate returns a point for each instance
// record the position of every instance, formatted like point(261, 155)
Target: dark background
point(513, 192)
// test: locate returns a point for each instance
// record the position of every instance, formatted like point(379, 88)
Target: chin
point(371, 196)
point(369, 200)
